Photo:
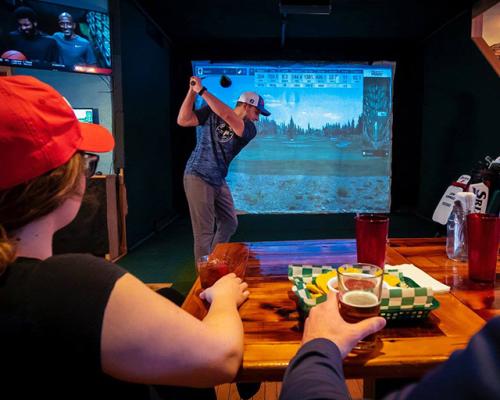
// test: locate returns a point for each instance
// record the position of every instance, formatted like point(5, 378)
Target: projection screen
point(327, 146)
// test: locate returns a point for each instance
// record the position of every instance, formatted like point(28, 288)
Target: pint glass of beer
point(360, 289)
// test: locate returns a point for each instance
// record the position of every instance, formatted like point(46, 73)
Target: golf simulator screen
point(327, 146)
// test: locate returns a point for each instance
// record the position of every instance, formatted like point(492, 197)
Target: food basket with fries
point(402, 298)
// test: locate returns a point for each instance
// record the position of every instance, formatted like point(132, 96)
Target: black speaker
point(97, 227)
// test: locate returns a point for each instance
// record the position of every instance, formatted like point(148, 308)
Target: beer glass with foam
point(360, 290)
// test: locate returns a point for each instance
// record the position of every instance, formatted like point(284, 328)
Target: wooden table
point(273, 327)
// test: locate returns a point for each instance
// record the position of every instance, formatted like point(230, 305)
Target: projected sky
point(326, 148)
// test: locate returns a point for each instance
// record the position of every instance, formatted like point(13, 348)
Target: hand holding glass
point(211, 270)
point(360, 290)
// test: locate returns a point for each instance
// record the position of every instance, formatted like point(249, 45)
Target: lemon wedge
point(392, 280)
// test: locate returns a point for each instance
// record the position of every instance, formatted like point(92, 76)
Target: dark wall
point(445, 99)
point(145, 70)
point(461, 102)
point(445, 95)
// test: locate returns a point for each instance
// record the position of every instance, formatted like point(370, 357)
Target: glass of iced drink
point(371, 238)
point(211, 270)
point(483, 239)
point(360, 290)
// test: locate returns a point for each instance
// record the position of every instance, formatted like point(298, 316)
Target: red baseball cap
point(39, 131)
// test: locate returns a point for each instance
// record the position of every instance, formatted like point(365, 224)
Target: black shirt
point(51, 315)
point(37, 48)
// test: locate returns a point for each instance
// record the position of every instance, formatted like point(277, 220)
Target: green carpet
point(165, 257)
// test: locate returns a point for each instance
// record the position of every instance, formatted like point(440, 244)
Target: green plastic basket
point(306, 301)
point(408, 315)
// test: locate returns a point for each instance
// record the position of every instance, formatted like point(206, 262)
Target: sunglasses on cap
point(90, 161)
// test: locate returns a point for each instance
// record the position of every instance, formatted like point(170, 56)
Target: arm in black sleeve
point(315, 373)
point(473, 373)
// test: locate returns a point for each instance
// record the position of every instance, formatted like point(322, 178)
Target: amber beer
point(357, 305)
point(360, 289)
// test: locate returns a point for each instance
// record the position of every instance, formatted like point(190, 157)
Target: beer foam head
point(360, 298)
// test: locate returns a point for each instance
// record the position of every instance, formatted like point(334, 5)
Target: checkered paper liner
point(396, 303)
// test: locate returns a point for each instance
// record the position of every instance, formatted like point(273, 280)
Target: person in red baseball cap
point(74, 325)
point(39, 131)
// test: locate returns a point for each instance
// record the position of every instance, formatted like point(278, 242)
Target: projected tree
point(376, 113)
point(291, 130)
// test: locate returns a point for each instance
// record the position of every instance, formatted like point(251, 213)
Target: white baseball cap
point(255, 100)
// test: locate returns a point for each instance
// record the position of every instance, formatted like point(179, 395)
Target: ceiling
point(185, 21)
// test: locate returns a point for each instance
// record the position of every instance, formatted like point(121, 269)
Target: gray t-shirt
point(216, 147)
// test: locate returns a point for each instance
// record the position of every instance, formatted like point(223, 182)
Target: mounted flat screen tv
point(327, 146)
point(55, 35)
point(88, 115)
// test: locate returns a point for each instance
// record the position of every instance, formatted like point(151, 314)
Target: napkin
point(422, 278)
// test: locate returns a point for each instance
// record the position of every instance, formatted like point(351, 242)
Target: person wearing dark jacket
point(316, 373)
point(29, 40)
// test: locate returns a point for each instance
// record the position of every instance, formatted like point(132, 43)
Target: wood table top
point(273, 324)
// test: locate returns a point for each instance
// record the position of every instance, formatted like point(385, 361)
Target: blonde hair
point(34, 199)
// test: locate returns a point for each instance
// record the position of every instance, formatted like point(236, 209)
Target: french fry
point(322, 280)
point(315, 291)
